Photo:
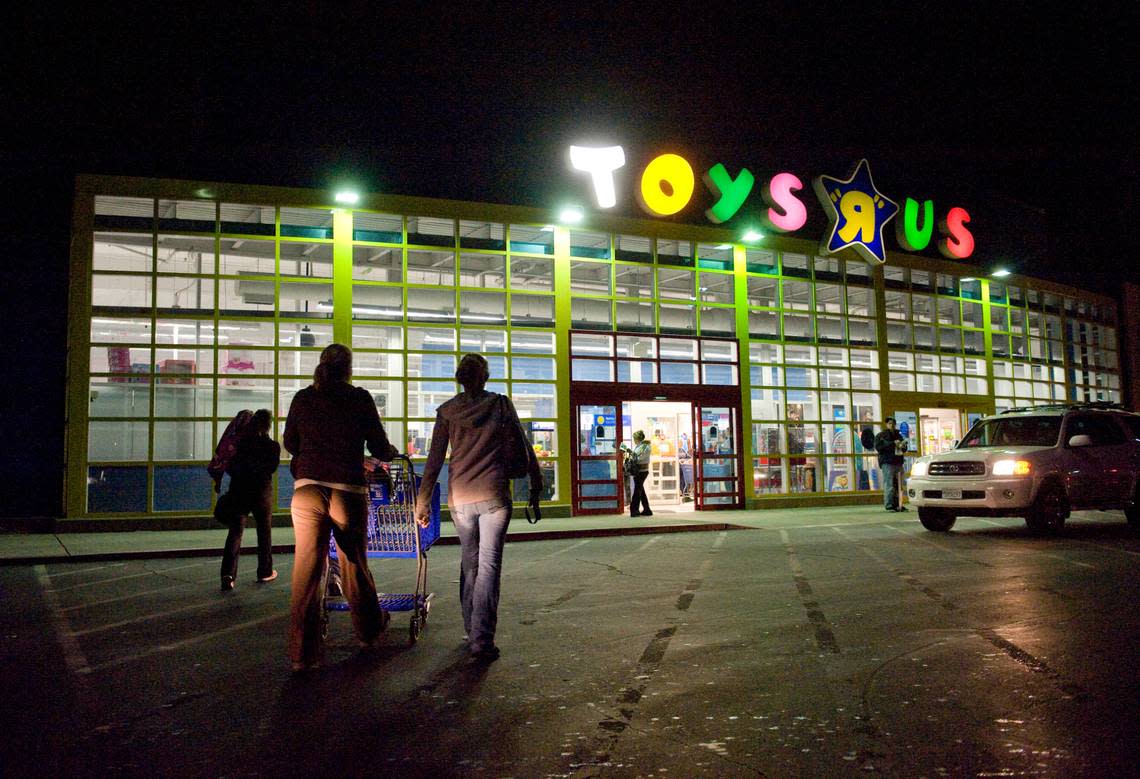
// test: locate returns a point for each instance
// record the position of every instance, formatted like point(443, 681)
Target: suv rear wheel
point(938, 520)
point(1050, 507)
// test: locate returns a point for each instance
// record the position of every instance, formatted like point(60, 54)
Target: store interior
point(668, 427)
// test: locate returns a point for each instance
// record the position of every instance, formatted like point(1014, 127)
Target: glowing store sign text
point(857, 212)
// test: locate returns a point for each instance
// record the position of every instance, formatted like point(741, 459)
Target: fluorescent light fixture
point(571, 215)
point(1000, 273)
point(723, 246)
point(349, 198)
point(964, 279)
point(752, 236)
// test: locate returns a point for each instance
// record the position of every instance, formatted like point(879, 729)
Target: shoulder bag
point(512, 443)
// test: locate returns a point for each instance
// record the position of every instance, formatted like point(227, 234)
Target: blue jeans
point(482, 530)
point(891, 473)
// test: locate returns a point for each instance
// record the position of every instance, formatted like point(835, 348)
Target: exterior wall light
point(1000, 273)
point(752, 236)
point(348, 198)
point(571, 215)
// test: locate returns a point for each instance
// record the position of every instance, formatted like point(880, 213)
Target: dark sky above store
point(1017, 114)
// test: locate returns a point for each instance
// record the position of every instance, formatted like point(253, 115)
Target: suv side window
point(1099, 427)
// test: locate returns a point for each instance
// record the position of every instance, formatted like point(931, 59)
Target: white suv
point(1038, 463)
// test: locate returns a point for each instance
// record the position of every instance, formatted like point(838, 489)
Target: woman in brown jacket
point(328, 425)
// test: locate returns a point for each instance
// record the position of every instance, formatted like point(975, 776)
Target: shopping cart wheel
point(415, 628)
point(424, 615)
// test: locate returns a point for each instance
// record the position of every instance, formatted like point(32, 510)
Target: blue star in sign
point(858, 213)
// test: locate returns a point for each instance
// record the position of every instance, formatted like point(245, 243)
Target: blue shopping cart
point(393, 532)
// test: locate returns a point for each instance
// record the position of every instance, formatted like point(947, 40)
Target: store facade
point(752, 366)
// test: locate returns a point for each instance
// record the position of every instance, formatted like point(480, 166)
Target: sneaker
point(334, 590)
point(647, 513)
point(227, 583)
point(902, 508)
point(268, 578)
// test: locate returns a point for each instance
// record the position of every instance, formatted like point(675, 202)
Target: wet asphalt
point(852, 646)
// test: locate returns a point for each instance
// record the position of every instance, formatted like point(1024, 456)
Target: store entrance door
point(596, 464)
point(718, 483)
point(694, 455)
point(939, 429)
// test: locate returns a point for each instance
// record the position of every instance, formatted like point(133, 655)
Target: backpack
point(867, 439)
point(227, 446)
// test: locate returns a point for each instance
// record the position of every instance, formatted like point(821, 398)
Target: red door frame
point(699, 496)
point(590, 393)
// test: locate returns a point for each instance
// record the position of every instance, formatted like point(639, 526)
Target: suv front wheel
point(1050, 507)
point(938, 520)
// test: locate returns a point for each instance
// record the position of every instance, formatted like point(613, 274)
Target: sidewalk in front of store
point(33, 548)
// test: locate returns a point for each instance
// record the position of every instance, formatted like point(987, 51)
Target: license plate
point(952, 494)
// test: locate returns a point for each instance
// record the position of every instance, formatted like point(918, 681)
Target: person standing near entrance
point(473, 423)
point(639, 457)
point(890, 445)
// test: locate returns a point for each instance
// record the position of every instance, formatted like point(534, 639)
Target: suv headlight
point(1012, 468)
point(919, 468)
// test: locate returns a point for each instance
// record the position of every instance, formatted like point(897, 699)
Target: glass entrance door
point(596, 482)
point(717, 457)
point(939, 429)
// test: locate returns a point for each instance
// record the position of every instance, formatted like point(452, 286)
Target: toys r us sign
point(857, 212)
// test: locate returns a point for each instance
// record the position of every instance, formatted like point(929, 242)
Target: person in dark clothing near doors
point(328, 426)
point(251, 477)
point(474, 423)
point(639, 457)
point(890, 445)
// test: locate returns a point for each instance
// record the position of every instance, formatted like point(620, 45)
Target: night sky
point(1022, 116)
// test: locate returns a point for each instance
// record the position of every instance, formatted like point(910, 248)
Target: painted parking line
point(625, 706)
point(72, 655)
point(199, 639)
point(146, 573)
point(80, 571)
point(144, 618)
point(824, 635)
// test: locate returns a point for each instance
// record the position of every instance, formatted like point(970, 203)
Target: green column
point(342, 276)
point(740, 296)
point(565, 425)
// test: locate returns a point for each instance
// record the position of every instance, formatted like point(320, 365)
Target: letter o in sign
point(666, 185)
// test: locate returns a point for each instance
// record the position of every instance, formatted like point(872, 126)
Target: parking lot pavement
point(806, 645)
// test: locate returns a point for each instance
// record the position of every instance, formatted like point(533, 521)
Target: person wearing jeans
point(474, 423)
point(890, 445)
point(482, 531)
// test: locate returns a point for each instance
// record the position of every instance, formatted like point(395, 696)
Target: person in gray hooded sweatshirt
point(478, 494)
